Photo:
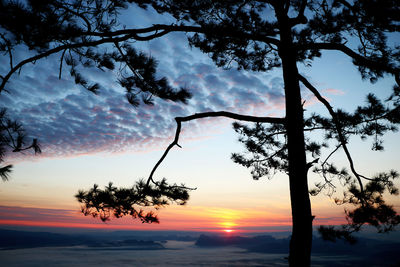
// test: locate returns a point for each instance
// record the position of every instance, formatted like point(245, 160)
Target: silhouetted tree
point(77, 30)
point(249, 35)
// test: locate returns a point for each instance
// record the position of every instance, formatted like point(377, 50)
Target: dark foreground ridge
point(370, 249)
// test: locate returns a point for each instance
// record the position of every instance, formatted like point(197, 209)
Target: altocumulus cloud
point(69, 120)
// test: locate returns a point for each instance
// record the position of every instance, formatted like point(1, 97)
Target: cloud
point(70, 121)
point(174, 218)
point(43, 217)
point(334, 91)
point(26, 214)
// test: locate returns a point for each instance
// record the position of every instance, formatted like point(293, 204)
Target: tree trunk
point(300, 243)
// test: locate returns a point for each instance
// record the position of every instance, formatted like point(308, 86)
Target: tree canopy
point(248, 35)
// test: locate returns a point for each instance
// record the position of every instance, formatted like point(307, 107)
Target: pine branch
point(56, 50)
point(358, 59)
point(109, 37)
point(158, 30)
point(86, 20)
point(9, 48)
point(195, 116)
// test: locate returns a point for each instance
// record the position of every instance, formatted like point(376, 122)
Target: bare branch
point(195, 116)
point(177, 28)
point(330, 154)
point(61, 63)
point(154, 28)
point(234, 116)
point(338, 127)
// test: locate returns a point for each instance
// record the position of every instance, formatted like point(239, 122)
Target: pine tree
point(249, 35)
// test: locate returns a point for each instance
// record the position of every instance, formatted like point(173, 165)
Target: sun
point(228, 230)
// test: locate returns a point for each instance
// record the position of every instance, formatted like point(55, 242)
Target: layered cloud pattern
point(69, 120)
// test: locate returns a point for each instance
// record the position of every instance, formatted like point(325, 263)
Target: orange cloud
point(333, 91)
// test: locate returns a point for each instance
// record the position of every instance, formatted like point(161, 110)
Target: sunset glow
point(175, 218)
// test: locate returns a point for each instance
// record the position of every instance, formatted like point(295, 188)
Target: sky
point(89, 139)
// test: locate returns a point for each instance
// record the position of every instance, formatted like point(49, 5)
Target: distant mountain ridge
point(22, 239)
point(12, 239)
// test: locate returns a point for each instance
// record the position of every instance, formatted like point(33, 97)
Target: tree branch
point(195, 116)
point(300, 18)
point(61, 63)
point(323, 170)
point(134, 71)
point(359, 59)
point(178, 28)
point(231, 115)
point(346, 4)
point(56, 50)
point(108, 37)
point(115, 36)
point(7, 43)
point(330, 154)
point(88, 24)
point(338, 127)
point(154, 28)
